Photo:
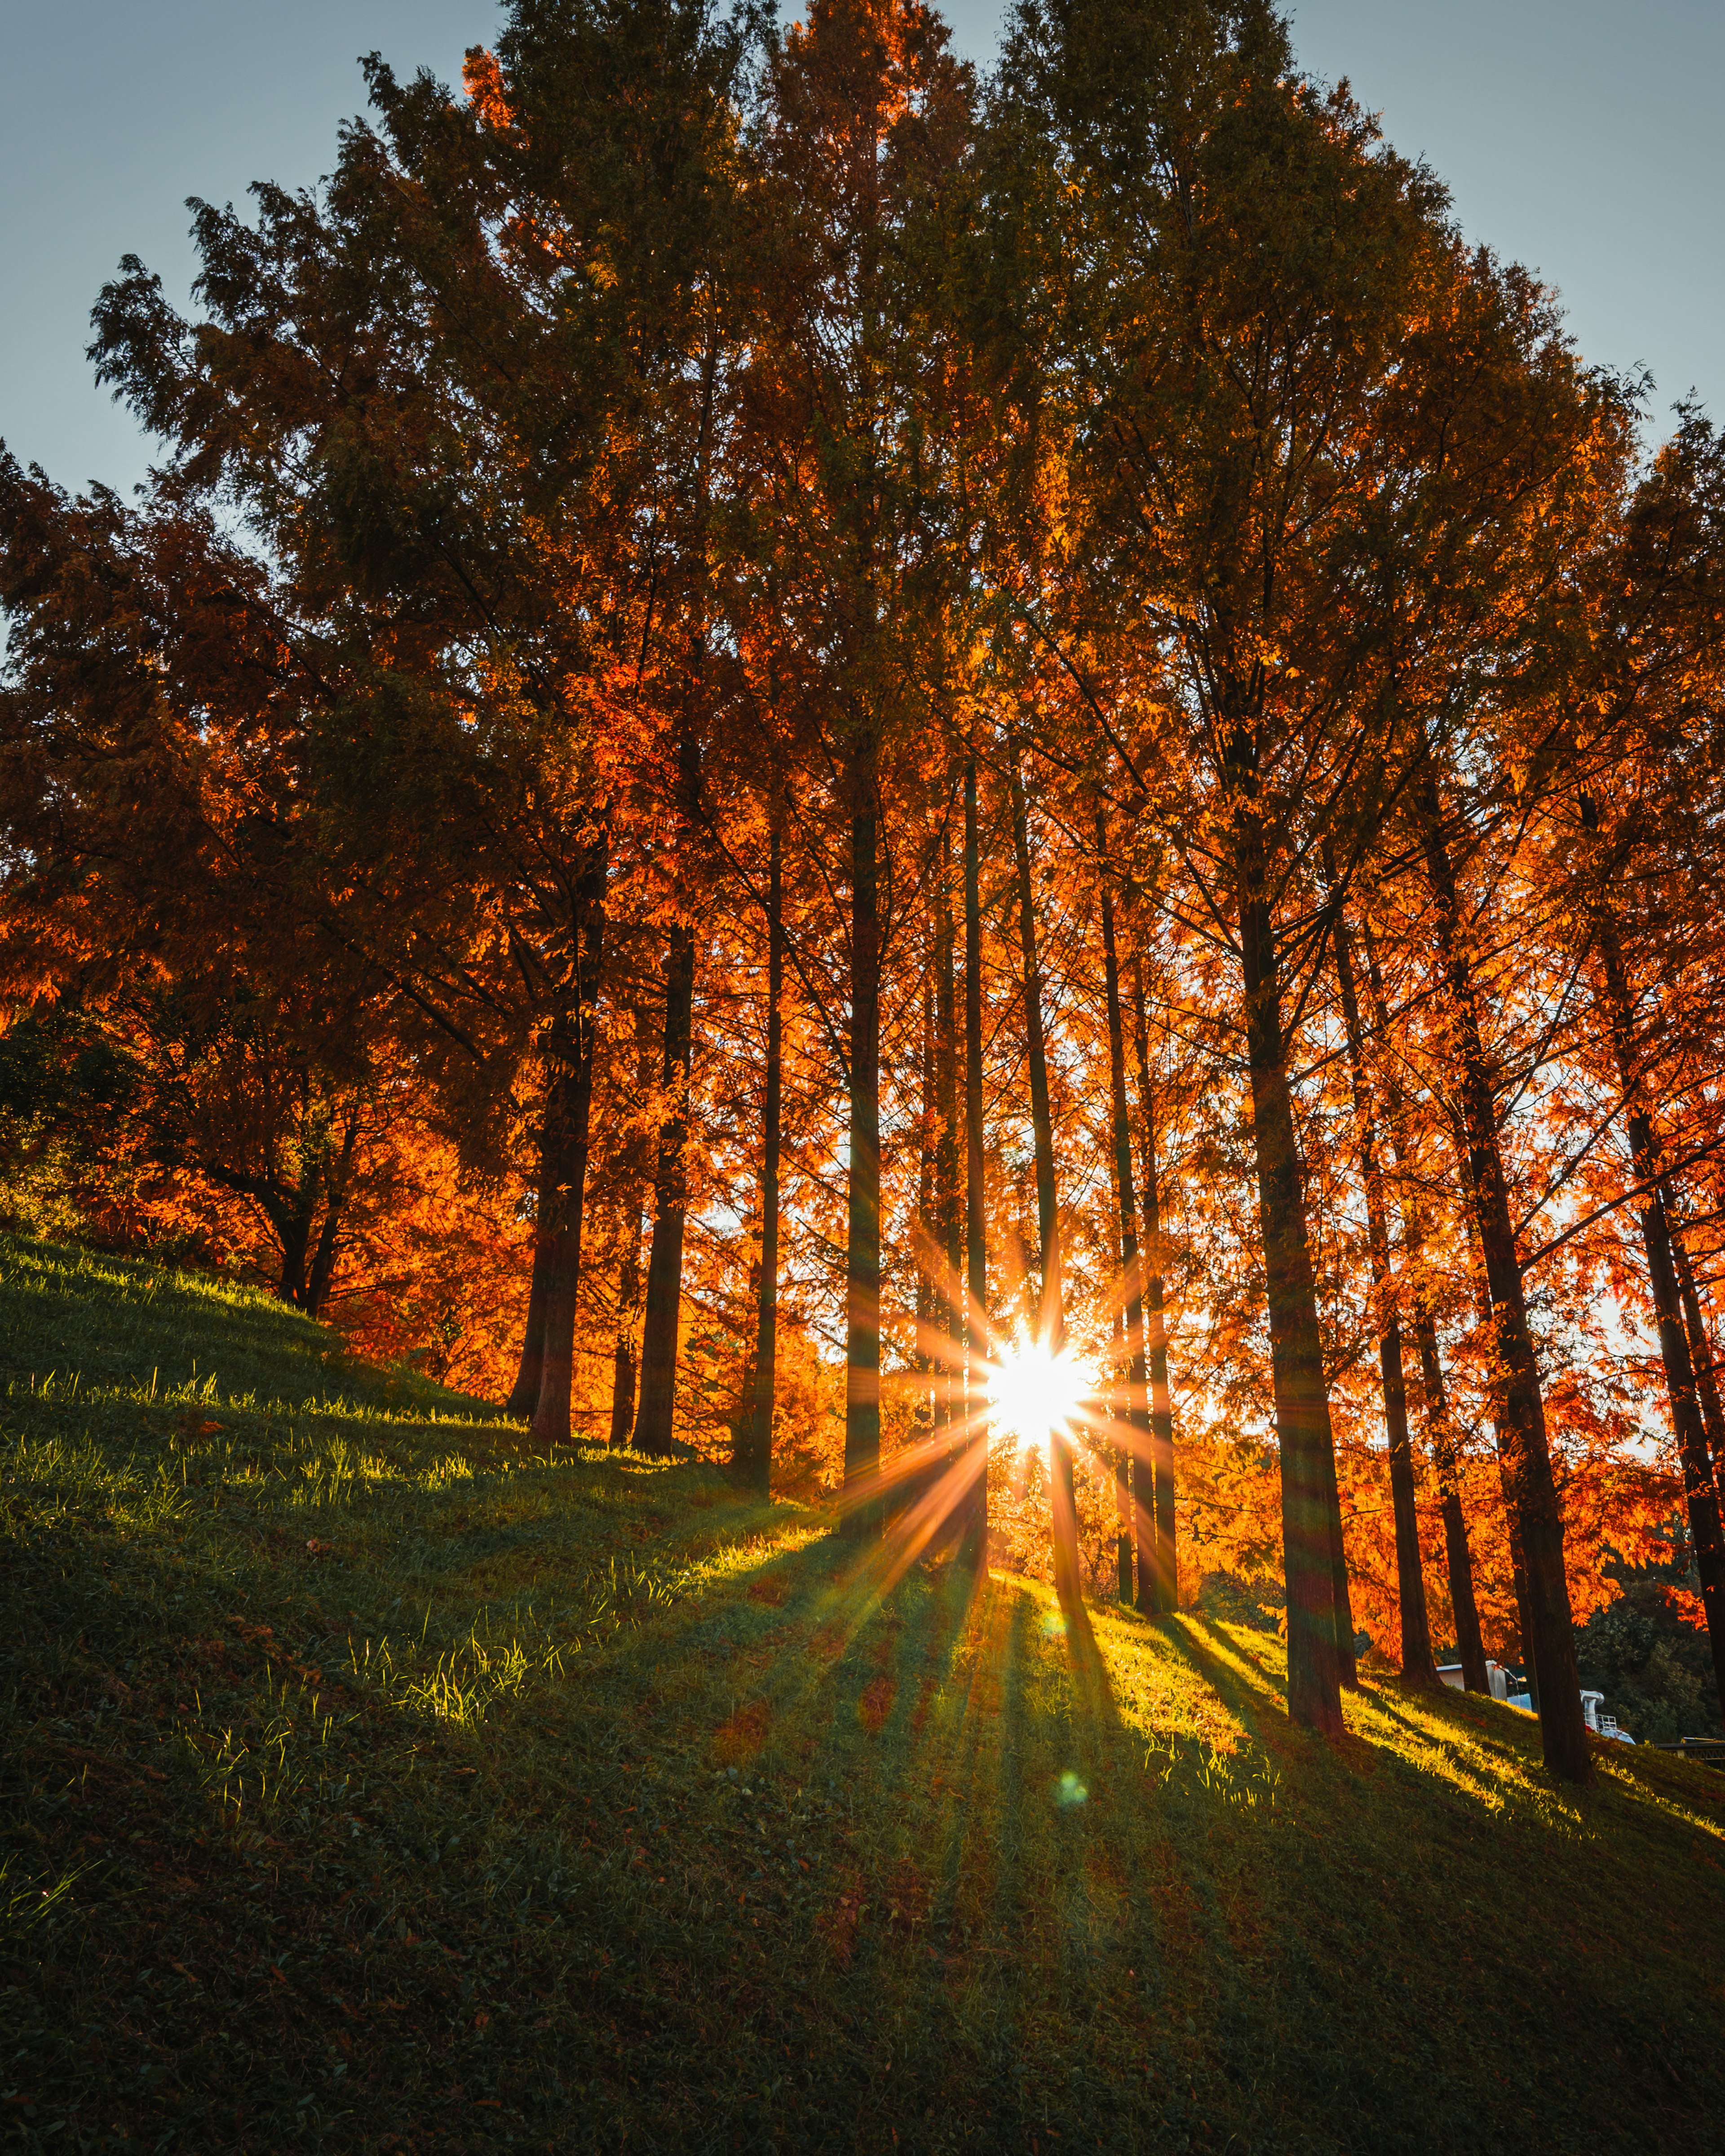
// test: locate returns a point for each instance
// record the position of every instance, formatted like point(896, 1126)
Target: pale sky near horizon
point(1579, 137)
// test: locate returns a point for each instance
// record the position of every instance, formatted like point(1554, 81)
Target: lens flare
point(1033, 1391)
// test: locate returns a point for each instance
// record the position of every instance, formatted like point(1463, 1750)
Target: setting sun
point(1033, 1390)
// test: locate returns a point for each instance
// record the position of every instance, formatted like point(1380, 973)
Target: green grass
point(371, 1783)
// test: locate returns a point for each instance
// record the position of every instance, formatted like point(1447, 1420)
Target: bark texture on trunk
point(1303, 1431)
point(862, 1370)
point(661, 1318)
point(663, 1313)
point(755, 1467)
point(629, 1297)
point(1051, 1321)
point(973, 1547)
point(1521, 1424)
point(948, 1201)
point(1153, 1479)
point(1418, 1664)
point(1347, 1662)
point(1458, 1557)
point(928, 1287)
point(1126, 1533)
point(524, 1394)
point(570, 1050)
point(1137, 1419)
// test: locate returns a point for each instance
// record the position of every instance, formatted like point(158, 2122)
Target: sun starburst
point(1034, 1389)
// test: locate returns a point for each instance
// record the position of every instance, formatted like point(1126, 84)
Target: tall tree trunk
point(1701, 1346)
point(862, 1370)
point(948, 1202)
point(1458, 1558)
point(1700, 1495)
point(1500, 1432)
point(1417, 1663)
point(973, 1548)
point(1137, 1419)
point(756, 1468)
point(662, 1315)
point(629, 1297)
point(1563, 1729)
point(1126, 1527)
point(1050, 1324)
point(1153, 1479)
point(1302, 1407)
point(524, 1393)
point(570, 1050)
point(1347, 1660)
point(928, 1285)
point(1441, 1431)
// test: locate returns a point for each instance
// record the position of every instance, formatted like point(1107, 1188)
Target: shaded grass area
point(369, 1783)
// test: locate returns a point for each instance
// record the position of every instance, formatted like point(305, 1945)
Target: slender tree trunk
point(1417, 1666)
point(1501, 1437)
point(663, 1313)
point(1347, 1661)
point(1126, 1533)
point(1464, 1604)
point(1700, 1495)
point(570, 1050)
point(629, 1297)
point(948, 1200)
point(1346, 1664)
point(1153, 1479)
point(973, 1549)
point(1303, 1407)
point(1136, 1418)
point(1563, 1729)
point(661, 1316)
point(1701, 1346)
point(756, 1466)
point(949, 1216)
point(1051, 1322)
point(899, 1498)
point(568, 1112)
point(524, 1393)
point(862, 1374)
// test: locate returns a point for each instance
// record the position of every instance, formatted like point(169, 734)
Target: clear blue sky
point(1583, 137)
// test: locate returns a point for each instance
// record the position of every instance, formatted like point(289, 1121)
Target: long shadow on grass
point(1250, 1695)
point(1493, 1771)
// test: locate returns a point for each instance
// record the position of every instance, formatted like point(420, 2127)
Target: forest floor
point(367, 1782)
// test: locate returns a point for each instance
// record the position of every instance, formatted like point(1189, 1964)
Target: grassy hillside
point(370, 1783)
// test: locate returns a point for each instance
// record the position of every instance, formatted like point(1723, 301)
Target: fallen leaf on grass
point(738, 1741)
point(838, 1925)
point(875, 1704)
